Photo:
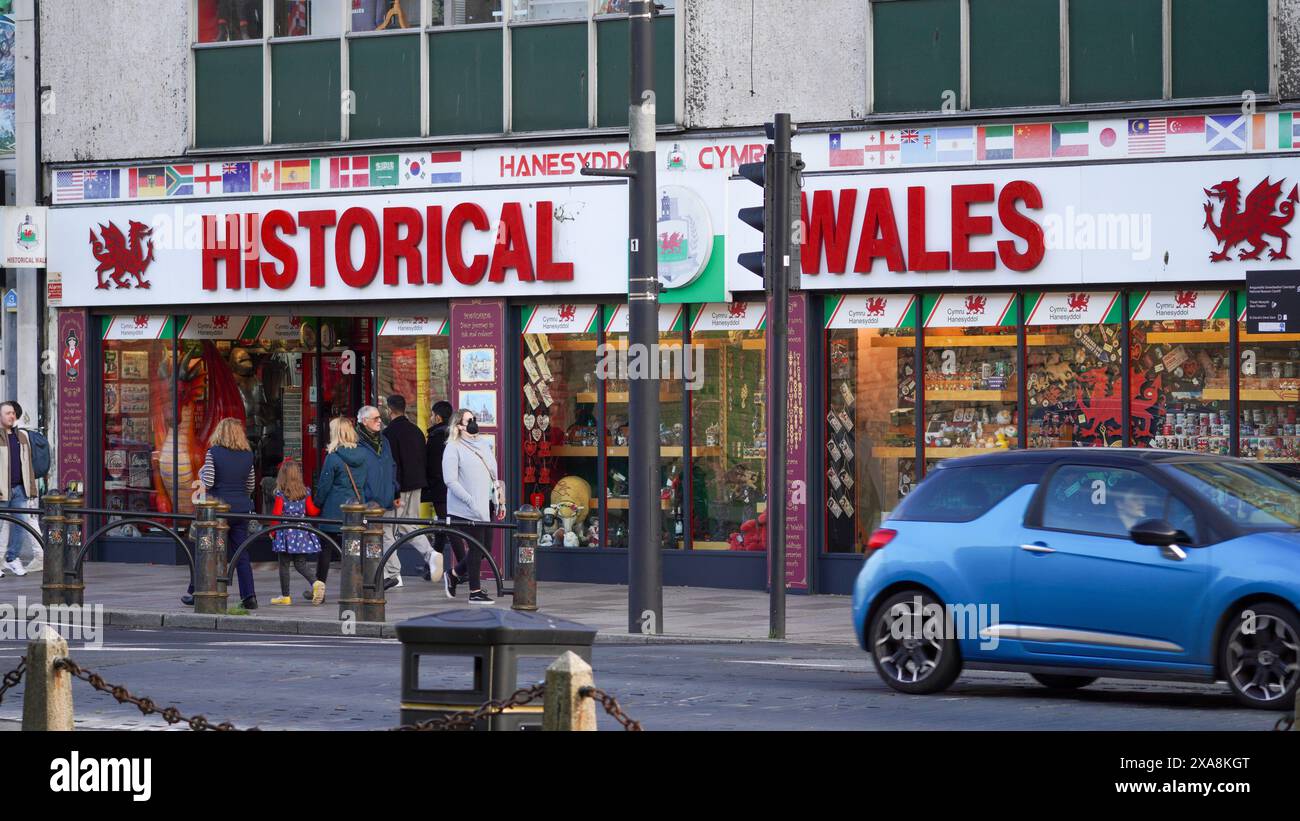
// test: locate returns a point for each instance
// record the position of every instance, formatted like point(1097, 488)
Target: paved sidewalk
point(139, 595)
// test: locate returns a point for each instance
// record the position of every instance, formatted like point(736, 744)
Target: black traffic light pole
point(778, 265)
point(645, 593)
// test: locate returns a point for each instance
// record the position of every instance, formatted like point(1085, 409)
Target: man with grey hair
point(381, 481)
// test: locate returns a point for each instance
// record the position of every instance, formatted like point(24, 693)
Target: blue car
point(1075, 563)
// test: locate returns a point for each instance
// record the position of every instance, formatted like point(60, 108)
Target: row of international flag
point(1147, 136)
point(261, 176)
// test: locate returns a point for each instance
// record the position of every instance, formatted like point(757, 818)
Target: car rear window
point(961, 494)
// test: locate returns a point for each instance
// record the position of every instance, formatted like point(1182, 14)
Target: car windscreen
point(962, 494)
point(1253, 498)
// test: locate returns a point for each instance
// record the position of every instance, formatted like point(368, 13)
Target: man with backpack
point(18, 475)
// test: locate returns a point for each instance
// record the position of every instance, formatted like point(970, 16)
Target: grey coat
point(469, 480)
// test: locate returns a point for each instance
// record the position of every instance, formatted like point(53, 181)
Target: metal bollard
point(52, 582)
point(372, 599)
point(350, 539)
point(525, 588)
point(207, 559)
point(223, 548)
point(74, 591)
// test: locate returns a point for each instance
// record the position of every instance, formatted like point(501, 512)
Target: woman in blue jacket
point(342, 481)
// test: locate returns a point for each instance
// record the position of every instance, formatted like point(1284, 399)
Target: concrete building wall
point(118, 79)
point(1288, 52)
point(747, 59)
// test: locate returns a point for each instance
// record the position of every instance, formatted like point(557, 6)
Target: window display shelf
point(621, 503)
point(1254, 394)
point(893, 342)
point(698, 545)
point(667, 451)
point(971, 396)
point(1249, 337)
point(745, 344)
point(573, 450)
point(573, 344)
point(1194, 337)
point(990, 341)
point(1042, 340)
point(622, 398)
point(894, 452)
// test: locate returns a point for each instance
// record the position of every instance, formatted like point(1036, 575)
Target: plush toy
point(749, 536)
point(570, 539)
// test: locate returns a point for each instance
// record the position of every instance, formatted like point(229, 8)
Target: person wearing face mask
point(469, 469)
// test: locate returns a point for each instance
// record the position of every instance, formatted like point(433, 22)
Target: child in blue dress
point(300, 547)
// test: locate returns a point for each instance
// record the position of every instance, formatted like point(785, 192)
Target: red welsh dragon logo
point(1077, 302)
point(142, 322)
point(568, 312)
point(975, 304)
point(670, 243)
point(875, 306)
point(738, 309)
point(121, 255)
point(1253, 221)
point(1185, 299)
point(220, 323)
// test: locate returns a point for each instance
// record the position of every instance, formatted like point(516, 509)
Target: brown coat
point(29, 476)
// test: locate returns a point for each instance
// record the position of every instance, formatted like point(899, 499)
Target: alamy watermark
point(654, 361)
point(1083, 231)
point(953, 622)
point(21, 621)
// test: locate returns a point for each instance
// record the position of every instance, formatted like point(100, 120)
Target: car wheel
point(909, 648)
point(1063, 682)
point(1260, 656)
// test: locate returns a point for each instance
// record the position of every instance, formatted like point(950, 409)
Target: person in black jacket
point(435, 489)
point(408, 445)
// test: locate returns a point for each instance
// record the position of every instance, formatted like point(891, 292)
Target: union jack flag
point(910, 135)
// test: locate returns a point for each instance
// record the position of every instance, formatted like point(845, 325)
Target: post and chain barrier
point(12, 677)
point(145, 704)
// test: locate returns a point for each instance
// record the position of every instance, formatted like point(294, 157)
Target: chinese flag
point(1033, 141)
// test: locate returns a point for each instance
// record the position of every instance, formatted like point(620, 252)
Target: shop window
point(1180, 370)
point(384, 15)
point(672, 461)
point(1268, 390)
point(413, 360)
point(305, 82)
point(385, 81)
point(870, 425)
point(621, 6)
point(611, 86)
point(466, 12)
point(1116, 51)
point(533, 11)
point(971, 386)
point(549, 72)
point(1015, 53)
point(308, 18)
point(924, 36)
point(466, 89)
point(728, 428)
point(228, 96)
point(1074, 369)
point(561, 434)
point(142, 471)
point(225, 20)
point(1212, 27)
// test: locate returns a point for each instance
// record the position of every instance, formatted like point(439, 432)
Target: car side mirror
point(1158, 533)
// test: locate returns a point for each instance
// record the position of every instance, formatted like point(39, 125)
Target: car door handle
point(1037, 547)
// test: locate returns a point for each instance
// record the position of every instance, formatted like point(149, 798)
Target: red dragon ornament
point(122, 255)
point(1253, 221)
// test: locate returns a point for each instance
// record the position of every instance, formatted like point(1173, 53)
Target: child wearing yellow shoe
point(294, 544)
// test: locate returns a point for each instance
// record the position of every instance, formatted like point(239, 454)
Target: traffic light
point(779, 175)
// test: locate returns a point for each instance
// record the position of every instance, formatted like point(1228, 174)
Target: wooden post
point(47, 699)
point(564, 709)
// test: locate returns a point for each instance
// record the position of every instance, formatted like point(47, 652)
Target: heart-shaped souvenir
point(530, 447)
point(537, 434)
point(544, 421)
point(538, 500)
point(529, 421)
point(546, 476)
point(545, 449)
point(530, 475)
